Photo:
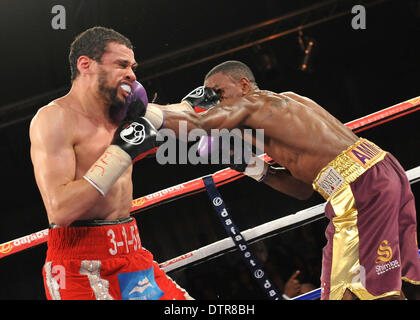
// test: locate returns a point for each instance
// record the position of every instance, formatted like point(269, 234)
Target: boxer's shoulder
point(53, 119)
point(56, 109)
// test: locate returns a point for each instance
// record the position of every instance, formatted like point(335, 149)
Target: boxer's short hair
point(234, 68)
point(92, 43)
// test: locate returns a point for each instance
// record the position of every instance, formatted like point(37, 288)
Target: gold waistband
point(347, 167)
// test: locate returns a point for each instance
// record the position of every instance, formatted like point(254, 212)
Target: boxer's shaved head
point(235, 69)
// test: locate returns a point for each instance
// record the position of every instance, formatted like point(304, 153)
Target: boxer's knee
point(348, 295)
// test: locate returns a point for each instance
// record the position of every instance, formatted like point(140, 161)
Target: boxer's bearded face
point(115, 74)
point(108, 92)
point(117, 108)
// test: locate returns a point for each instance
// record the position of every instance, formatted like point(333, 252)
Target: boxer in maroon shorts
point(371, 236)
point(372, 230)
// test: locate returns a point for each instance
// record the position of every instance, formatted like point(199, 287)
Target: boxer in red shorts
point(82, 149)
point(104, 260)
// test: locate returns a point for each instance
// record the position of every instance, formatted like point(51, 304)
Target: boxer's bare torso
point(65, 142)
point(298, 133)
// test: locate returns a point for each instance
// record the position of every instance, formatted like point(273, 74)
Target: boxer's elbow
point(281, 180)
point(58, 215)
point(304, 193)
point(299, 189)
point(61, 222)
point(65, 208)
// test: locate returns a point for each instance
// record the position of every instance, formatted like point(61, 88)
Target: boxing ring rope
point(267, 229)
point(226, 176)
point(270, 228)
point(276, 226)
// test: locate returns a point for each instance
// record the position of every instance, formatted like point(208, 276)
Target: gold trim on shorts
point(411, 281)
point(333, 183)
point(347, 167)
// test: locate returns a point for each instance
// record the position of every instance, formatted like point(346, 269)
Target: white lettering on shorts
point(330, 181)
point(51, 281)
point(131, 239)
point(380, 269)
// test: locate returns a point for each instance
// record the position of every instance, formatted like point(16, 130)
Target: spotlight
point(307, 45)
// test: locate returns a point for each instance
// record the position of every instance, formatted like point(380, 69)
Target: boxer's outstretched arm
point(223, 116)
point(54, 162)
point(233, 114)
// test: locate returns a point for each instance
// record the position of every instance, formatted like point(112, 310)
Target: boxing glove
point(137, 105)
point(133, 140)
point(202, 97)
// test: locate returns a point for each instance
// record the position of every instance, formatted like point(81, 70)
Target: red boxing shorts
point(104, 260)
point(372, 237)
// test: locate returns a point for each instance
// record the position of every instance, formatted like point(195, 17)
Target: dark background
point(352, 73)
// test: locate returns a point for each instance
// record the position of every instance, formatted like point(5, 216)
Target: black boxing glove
point(203, 97)
point(137, 138)
point(133, 141)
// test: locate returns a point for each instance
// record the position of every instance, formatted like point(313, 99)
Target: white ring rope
point(307, 215)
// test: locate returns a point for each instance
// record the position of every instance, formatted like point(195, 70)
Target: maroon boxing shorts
point(371, 237)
